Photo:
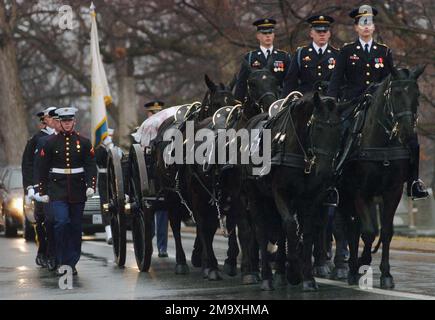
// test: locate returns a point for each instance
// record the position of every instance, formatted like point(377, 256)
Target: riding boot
point(415, 187)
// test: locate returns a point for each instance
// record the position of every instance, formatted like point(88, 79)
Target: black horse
point(376, 163)
point(285, 202)
point(215, 188)
point(171, 179)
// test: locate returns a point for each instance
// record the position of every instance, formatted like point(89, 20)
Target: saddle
point(226, 116)
point(186, 111)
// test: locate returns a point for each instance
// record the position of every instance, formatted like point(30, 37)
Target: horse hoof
point(205, 273)
point(266, 285)
point(214, 275)
point(322, 271)
point(294, 275)
point(181, 269)
point(340, 273)
point(249, 279)
point(196, 259)
point(279, 280)
point(309, 285)
point(387, 283)
point(230, 269)
point(353, 279)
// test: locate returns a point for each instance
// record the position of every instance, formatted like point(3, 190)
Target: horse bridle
point(389, 109)
point(258, 102)
point(313, 149)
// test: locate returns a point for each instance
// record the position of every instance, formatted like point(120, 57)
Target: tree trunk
point(13, 127)
point(127, 108)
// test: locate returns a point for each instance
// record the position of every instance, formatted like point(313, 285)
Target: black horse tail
point(375, 250)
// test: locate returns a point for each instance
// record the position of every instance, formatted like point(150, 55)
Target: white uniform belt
point(102, 170)
point(67, 171)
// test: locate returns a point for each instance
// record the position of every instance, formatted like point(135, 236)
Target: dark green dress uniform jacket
point(67, 151)
point(308, 68)
point(355, 71)
point(279, 64)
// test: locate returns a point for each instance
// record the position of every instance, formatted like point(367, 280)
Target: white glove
point(37, 197)
point(27, 200)
point(89, 192)
point(30, 193)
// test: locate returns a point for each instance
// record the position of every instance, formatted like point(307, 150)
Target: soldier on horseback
point(363, 63)
point(265, 56)
point(313, 64)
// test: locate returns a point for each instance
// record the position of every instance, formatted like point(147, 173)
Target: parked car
point(11, 201)
point(92, 216)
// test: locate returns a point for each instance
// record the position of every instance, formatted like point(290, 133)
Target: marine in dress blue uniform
point(277, 60)
point(28, 160)
point(67, 175)
point(312, 65)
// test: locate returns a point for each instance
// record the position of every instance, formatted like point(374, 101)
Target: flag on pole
point(100, 88)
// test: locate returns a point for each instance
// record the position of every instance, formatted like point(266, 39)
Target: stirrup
point(336, 198)
point(423, 186)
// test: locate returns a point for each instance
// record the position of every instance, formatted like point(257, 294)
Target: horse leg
point(391, 201)
point(285, 207)
point(249, 265)
point(259, 211)
point(340, 271)
point(280, 268)
point(197, 251)
point(368, 215)
point(352, 235)
point(321, 268)
point(180, 257)
point(230, 265)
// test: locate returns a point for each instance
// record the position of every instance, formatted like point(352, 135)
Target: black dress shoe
point(51, 264)
point(163, 254)
point(41, 260)
point(59, 273)
point(418, 190)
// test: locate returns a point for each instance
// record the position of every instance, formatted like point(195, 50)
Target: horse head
point(323, 138)
point(263, 89)
point(401, 102)
point(217, 96)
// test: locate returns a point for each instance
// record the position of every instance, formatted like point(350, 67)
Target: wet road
point(100, 278)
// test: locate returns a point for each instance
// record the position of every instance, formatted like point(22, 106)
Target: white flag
point(100, 89)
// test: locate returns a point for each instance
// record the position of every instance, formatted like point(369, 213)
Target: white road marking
point(398, 294)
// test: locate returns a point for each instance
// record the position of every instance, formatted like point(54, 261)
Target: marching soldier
point(27, 163)
point(266, 55)
point(362, 63)
point(311, 67)
point(49, 220)
point(67, 177)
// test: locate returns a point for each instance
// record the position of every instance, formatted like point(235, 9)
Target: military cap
point(320, 22)
point(364, 12)
point(45, 112)
point(154, 106)
point(53, 113)
point(66, 113)
point(265, 25)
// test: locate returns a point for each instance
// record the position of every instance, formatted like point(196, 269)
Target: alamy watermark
point(366, 279)
point(66, 19)
point(66, 280)
point(208, 147)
